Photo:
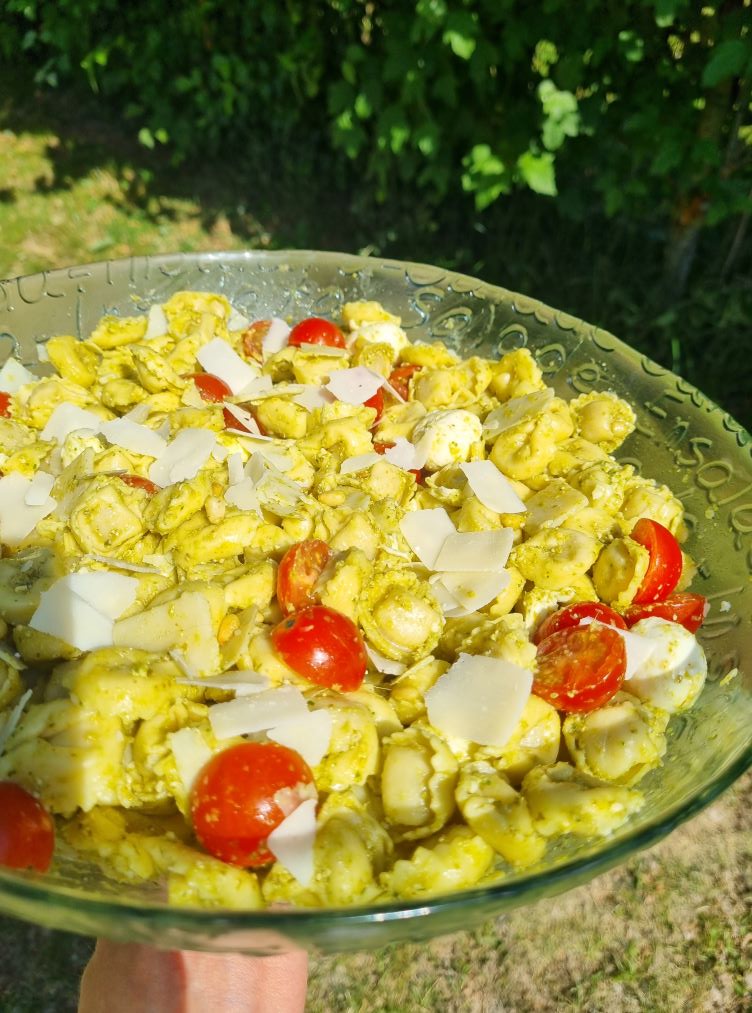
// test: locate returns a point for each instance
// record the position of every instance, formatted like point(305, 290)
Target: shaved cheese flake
point(476, 550)
point(394, 392)
point(244, 417)
point(264, 458)
point(156, 323)
point(356, 385)
point(119, 564)
point(17, 518)
point(383, 664)
point(309, 735)
point(258, 712)
point(184, 457)
point(236, 321)
point(359, 462)
point(472, 590)
point(133, 436)
point(183, 624)
point(425, 531)
point(276, 337)
point(492, 488)
point(191, 754)
point(279, 495)
point(515, 410)
point(292, 841)
point(261, 386)
point(139, 413)
point(235, 471)
point(241, 683)
point(404, 454)
point(109, 593)
point(314, 397)
point(14, 375)
point(38, 492)
point(69, 418)
point(65, 615)
point(11, 721)
point(243, 495)
point(479, 699)
point(42, 354)
point(219, 453)
point(184, 665)
point(221, 360)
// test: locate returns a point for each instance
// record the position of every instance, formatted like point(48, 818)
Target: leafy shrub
point(642, 106)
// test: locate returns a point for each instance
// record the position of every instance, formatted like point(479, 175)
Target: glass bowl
point(682, 439)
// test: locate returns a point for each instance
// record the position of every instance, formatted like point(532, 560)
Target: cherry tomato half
point(572, 615)
point(322, 645)
point(399, 379)
point(665, 566)
point(4, 405)
point(210, 387)
point(27, 833)
point(381, 448)
point(299, 569)
point(137, 482)
point(235, 803)
point(376, 402)
point(580, 667)
point(252, 341)
point(689, 610)
point(317, 331)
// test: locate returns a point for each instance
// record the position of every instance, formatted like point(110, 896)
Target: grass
point(671, 929)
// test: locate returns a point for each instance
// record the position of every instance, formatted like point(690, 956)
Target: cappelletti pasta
point(227, 545)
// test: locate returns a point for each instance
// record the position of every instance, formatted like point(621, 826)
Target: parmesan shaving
point(221, 360)
point(354, 386)
point(314, 397)
point(17, 517)
point(292, 841)
point(383, 664)
point(473, 590)
point(425, 531)
point(475, 550)
point(184, 457)
point(120, 564)
point(492, 488)
point(257, 713)
point(69, 418)
point(14, 375)
point(479, 699)
point(157, 324)
point(359, 462)
point(133, 436)
point(276, 337)
point(244, 417)
point(310, 735)
point(39, 490)
point(191, 754)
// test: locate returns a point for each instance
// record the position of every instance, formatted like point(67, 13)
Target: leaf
point(728, 59)
point(460, 34)
point(538, 172)
point(146, 137)
point(485, 176)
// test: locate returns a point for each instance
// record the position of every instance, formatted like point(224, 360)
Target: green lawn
point(671, 929)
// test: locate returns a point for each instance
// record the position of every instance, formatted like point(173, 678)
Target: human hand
point(131, 978)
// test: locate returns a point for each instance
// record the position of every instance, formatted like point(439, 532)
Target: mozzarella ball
point(447, 436)
point(674, 674)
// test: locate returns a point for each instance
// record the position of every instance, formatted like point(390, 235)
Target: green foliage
point(641, 107)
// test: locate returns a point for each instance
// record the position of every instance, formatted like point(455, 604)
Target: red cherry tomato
point(665, 566)
point(211, 388)
point(27, 832)
point(235, 803)
point(322, 645)
point(572, 615)
point(300, 568)
point(381, 448)
point(252, 341)
point(399, 379)
point(317, 331)
point(377, 402)
point(137, 482)
point(4, 404)
point(689, 610)
point(580, 667)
